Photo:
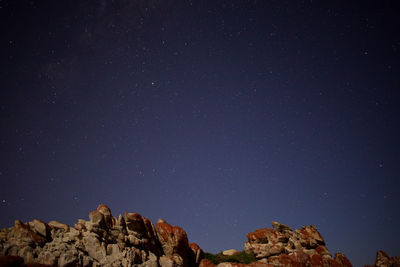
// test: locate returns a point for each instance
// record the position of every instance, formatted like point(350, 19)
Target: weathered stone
point(105, 210)
point(174, 241)
point(105, 240)
point(25, 235)
point(342, 260)
point(323, 251)
point(280, 227)
point(264, 250)
point(93, 247)
point(58, 225)
point(67, 259)
point(167, 262)
point(112, 249)
point(264, 236)
point(302, 258)
point(309, 237)
point(134, 223)
point(384, 260)
point(283, 260)
point(152, 261)
point(26, 253)
point(50, 258)
point(96, 217)
point(40, 228)
point(230, 252)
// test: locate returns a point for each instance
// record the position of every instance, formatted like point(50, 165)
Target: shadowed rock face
point(104, 240)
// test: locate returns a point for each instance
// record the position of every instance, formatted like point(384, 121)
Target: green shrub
point(241, 257)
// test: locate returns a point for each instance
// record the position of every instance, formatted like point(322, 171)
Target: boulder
point(174, 242)
point(230, 252)
point(40, 228)
point(105, 210)
point(309, 237)
point(25, 236)
point(135, 224)
point(96, 218)
point(58, 225)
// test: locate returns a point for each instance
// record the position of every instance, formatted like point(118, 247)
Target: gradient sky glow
point(218, 116)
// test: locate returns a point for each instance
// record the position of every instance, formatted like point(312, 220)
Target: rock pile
point(281, 246)
point(384, 260)
point(133, 240)
point(104, 240)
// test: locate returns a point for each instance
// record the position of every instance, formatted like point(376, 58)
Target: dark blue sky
point(218, 117)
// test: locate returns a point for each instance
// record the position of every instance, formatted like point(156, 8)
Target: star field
point(218, 116)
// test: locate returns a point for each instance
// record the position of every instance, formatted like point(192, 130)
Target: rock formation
point(384, 260)
point(133, 240)
point(281, 246)
point(104, 240)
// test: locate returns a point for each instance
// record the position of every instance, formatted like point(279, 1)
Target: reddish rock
point(316, 260)
point(303, 258)
point(173, 240)
point(331, 263)
point(309, 237)
point(323, 251)
point(206, 263)
point(265, 242)
point(284, 260)
point(266, 235)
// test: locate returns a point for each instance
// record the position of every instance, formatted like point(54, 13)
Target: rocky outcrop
point(384, 260)
point(104, 240)
point(267, 242)
point(133, 240)
point(280, 246)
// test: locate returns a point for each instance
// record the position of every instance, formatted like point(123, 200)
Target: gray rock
point(68, 259)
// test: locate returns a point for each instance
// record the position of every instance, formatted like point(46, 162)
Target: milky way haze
point(219, 116)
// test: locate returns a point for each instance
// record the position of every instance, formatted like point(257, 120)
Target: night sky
point(218, 116)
